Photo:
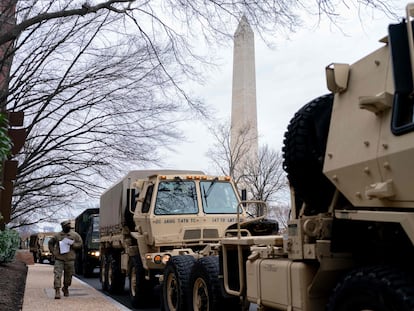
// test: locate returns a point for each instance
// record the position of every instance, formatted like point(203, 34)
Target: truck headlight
point(157, 259)
point(165, 258)
point(161, 258)
point(95, 253)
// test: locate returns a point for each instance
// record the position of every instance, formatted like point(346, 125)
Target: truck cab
point(187, 211)
point(87, 226)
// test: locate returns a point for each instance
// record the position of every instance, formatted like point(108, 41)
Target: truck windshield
point(95, 223)
point(176, 197)
point(46, 241)
point(95, 232)
point(218, 197)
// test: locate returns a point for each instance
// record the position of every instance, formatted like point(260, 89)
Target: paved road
point(124, 298)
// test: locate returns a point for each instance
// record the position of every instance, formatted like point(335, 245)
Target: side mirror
point(337, 77)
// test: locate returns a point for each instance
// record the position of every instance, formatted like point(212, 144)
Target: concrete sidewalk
point(40, 294)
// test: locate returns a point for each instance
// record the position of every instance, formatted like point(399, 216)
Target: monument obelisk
point(244, 110)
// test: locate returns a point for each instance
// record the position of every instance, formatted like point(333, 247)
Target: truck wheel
point(140, 289)
point(207, 294)
point(176, 283)
point(103, 274)
point(304, 151)
point(374, 288)
point(116, 281)
point(39, 257)
point(78, 262)
point(87, 270)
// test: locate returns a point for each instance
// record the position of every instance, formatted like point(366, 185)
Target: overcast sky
point(287, 77)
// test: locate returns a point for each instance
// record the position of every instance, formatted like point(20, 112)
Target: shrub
point(5, 142)
point(9, 243)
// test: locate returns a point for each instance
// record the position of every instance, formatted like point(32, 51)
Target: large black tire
point(78, 262)
point(34, 257)
point(41, 259)
point(82, 264)
point(116, 280)
point(304, 151)
point(87, 269)
point(207, 292)
point(140, 289)
point(375, 289)
point(176, 286)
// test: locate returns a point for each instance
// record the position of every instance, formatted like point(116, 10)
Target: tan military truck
point(38, 246)
point(153, 217)
point(349, 243)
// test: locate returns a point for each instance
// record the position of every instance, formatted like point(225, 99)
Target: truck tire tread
point(141, 296)
point(373, 288)
point(205, 272)
point(303, 154)
point(177, 273)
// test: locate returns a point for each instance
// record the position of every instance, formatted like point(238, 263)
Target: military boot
point(65, 291)
point(57, 293)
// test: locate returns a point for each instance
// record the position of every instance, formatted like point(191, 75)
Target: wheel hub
point(200, 296)
point(172, 294)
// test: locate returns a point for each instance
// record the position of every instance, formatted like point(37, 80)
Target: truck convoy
point(87, 225)
point(153, 217)
point(38, 246)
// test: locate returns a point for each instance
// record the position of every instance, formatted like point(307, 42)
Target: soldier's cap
point(65, 223)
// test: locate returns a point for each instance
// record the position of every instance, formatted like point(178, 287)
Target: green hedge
point(9, 243)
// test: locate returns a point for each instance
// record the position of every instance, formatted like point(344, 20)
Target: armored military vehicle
point(349, 241)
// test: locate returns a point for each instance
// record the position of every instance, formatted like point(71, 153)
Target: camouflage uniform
point(64, 263)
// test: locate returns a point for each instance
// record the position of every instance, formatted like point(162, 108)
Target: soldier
point(63, 245)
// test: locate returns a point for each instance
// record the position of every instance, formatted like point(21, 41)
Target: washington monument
point(244, 111)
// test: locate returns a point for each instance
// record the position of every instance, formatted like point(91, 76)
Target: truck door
point(141, 217)
point(396, 148)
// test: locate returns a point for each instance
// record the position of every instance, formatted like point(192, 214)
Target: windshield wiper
point(206, 194)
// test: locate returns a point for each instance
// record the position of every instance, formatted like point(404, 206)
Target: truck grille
point(195, 234)
point(192, 234)
point(210, 234)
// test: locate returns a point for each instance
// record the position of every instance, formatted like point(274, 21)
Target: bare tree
point(102, 85)
point(281, 213)
point(94, 103)
point(226, 155)
point(263, 178)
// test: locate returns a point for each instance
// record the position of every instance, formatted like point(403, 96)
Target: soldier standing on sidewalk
point(63, 246)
